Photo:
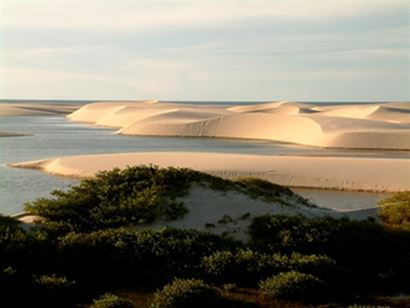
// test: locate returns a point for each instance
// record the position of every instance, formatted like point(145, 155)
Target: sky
point(206, 50)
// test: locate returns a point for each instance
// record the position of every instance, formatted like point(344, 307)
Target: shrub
point(53, 282)
point(135, 195)
point(53, 289)
point(395, 210)
point(270, 192)
point(347, 241)
point(115, 198)
point(186, 293)
point(368, 255)
point(292, 285)
point(317, 265)
point(149, 256)
point(109, 300)
point(243, 267)
point(246, 267)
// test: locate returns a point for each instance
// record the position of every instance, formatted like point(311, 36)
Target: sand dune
point(256, 107)
point(360, 126)
point(360, 112)
point(242, 126)
point(36, 109)
point(362, 174)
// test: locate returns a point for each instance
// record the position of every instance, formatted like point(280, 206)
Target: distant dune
point(12, 134)
point(343, 173)
point(17, 109)
point(356, 126)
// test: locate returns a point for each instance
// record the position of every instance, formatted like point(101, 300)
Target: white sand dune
point(359, 126)
point(266, 126)
point(127, 115)
point(256, 107)
point(360, 112)
point(344, 173)
point(36, 109)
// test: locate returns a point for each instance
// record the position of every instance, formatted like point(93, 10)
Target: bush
point(109, 300)
point(370, 256)
point(53, 289)
point(149, 256)
point(395, 210)
point(187, 293)
point(53, 282)
point(292, 285)
point(347, 241)
point(135, 195)
point(246, 267)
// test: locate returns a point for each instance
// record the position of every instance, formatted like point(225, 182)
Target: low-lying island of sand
point(342, 173)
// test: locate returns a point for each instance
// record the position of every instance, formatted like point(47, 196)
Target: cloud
point(211, 50)
point(105, 15)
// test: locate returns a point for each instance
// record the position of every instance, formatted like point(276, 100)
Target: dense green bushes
point(293, 285)
point(135, 195)
point(372, 256)
point(148, 256)
point(92, 242)
point(395, 210)
point(246, 267)
point(187, 293)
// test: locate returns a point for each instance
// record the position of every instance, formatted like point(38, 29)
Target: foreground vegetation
point(87, 251)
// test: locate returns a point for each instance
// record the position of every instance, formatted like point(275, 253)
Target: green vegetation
point(395, 211)
point(292, 285)
point(89, 251)
point(270, 192)
point(186, 293)
point(246, 267)
point(109, 300)
point(135, 196)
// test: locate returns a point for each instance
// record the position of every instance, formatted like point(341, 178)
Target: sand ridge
point(343, 173)
point(357, 126)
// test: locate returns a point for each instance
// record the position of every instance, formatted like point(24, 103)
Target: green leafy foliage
point(96, 235)
point(395, 210)
point(135, 195)
point(292, 285)
point(369, 253)
point(149, 256)
point(187, 293)
point(246, 267)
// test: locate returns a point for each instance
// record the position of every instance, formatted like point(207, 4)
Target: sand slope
point(360, 126)
point(376, 174)
point(36, 109)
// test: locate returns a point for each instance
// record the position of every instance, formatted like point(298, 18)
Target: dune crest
point(357, 126)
